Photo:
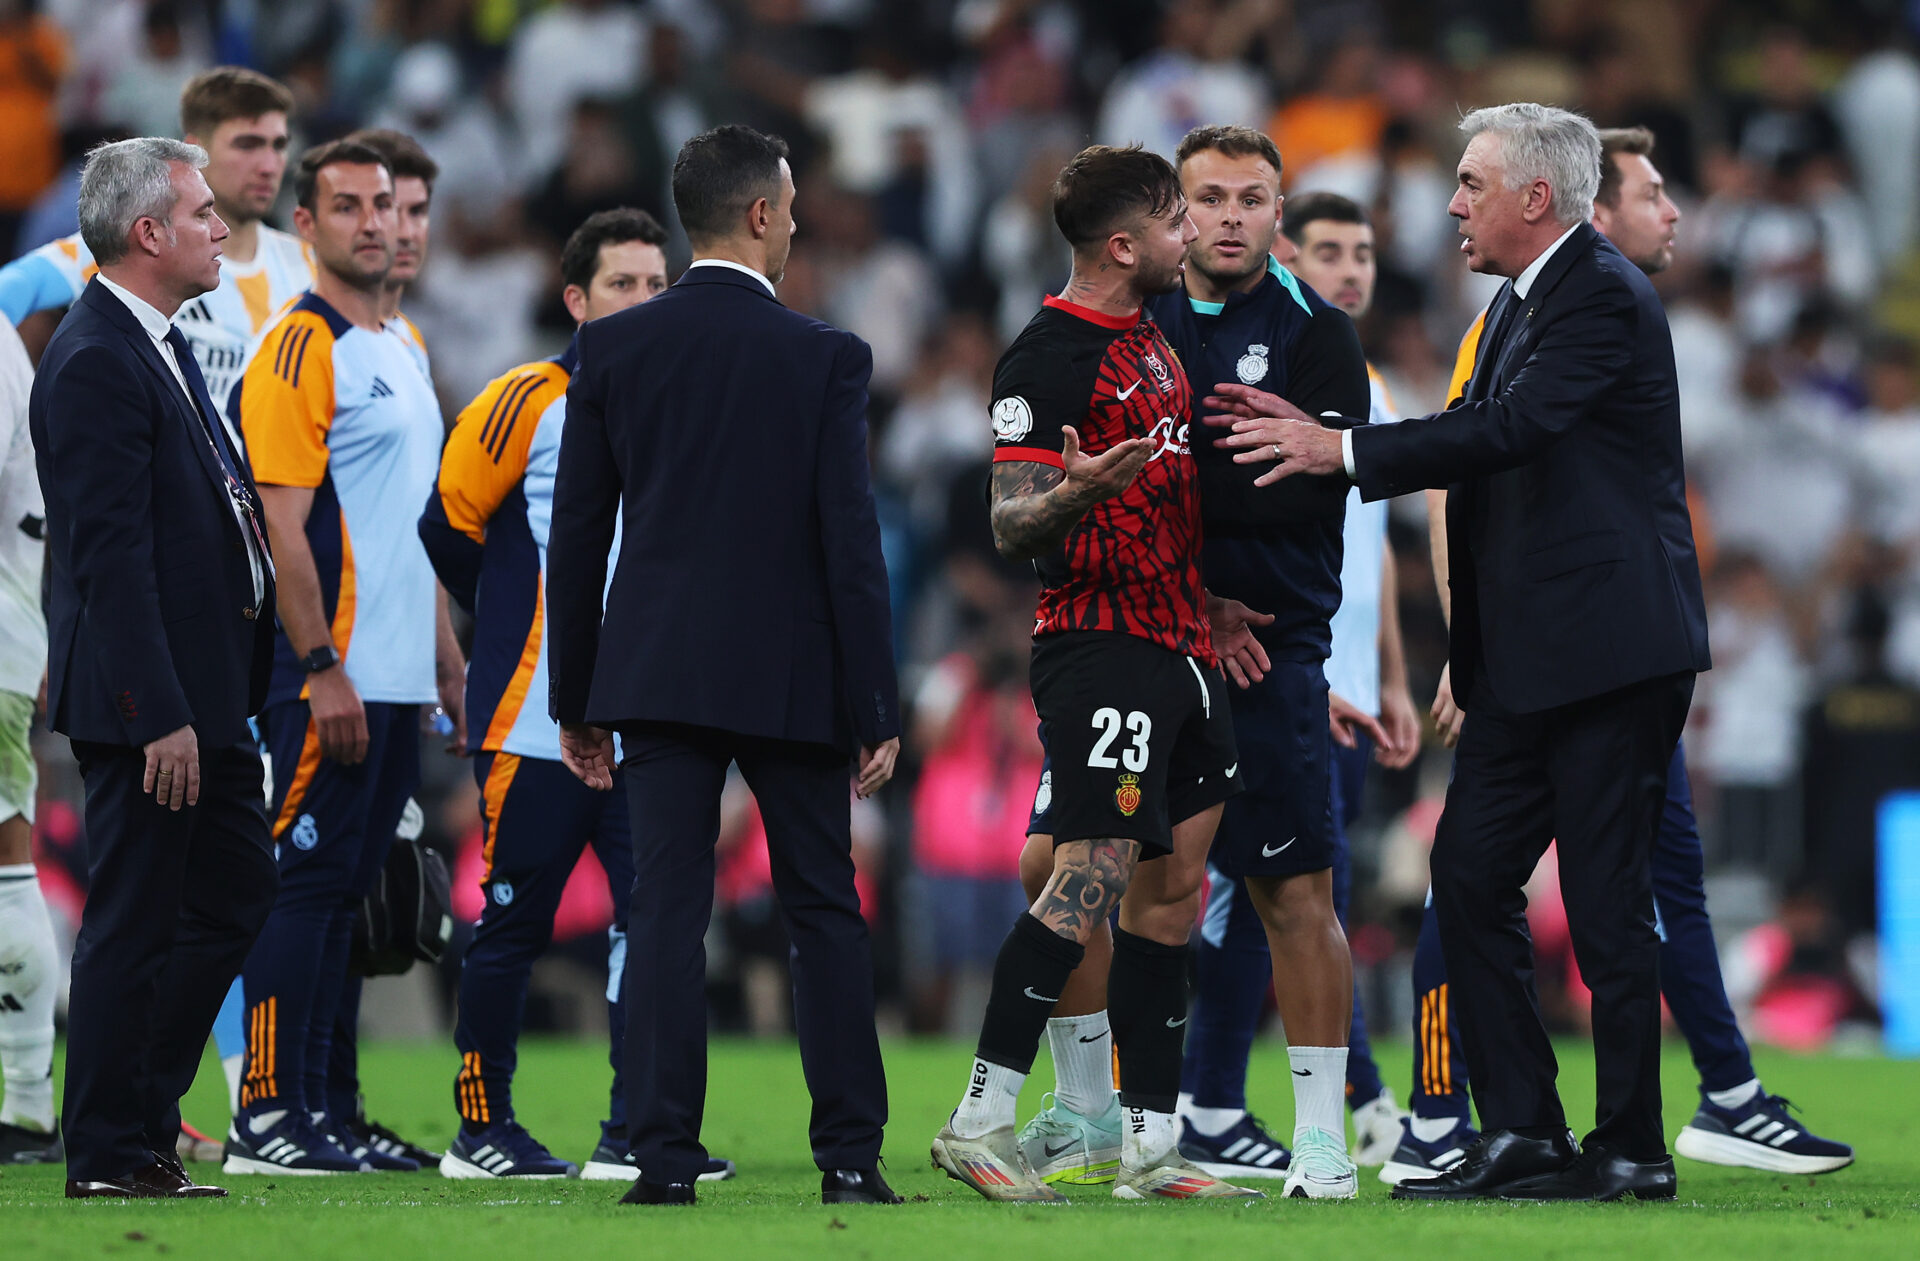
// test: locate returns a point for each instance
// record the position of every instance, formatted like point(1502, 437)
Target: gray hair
point(1539, 142)
point(126, 181)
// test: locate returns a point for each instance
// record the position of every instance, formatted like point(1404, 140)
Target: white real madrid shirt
point(23, 627)
point(1353, 667)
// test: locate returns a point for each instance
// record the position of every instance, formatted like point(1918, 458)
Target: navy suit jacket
point(749, 593)
point(1569, 544)
point(151, 619)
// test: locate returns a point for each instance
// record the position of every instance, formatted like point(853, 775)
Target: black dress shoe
point(855, 1186)
point(154, 1182)
point(169, 1173)
point(644, 1192)
point(1498, 1160)
point(1600, 1174)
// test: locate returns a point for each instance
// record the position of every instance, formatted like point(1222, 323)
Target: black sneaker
point(503, 1150)
point(290, 1145)
point(1758, 1135)
point(612, 1162)
point(1416, 1160)
point(1245, 1150)
point(22, 1146)
point(378, 1138)
point(362, 1150)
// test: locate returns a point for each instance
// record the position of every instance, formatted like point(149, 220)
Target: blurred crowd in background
point(925, 136)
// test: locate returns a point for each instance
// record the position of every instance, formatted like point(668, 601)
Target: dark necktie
point(1493, 338)
point(203, 402)
point(217, 439)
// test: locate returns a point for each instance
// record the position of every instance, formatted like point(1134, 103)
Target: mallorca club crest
point(1126, 798)
point(1252, 368)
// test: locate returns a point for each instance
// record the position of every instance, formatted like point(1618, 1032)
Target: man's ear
point(760, 217)
point(147, 232)
point(1539, 201)
point(1120, 249)
point(575, 300)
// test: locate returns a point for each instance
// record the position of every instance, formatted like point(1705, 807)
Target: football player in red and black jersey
point(1094, 480)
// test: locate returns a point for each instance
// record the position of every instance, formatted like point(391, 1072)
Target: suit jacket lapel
point(1525, 321)
point(149, 354)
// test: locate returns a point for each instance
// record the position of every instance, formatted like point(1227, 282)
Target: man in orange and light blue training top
point(344, 433)
point(485, 527)
point(413, 175)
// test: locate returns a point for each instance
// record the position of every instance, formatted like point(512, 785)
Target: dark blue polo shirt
point(1276, 549)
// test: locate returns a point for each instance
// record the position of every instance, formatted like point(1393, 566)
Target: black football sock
point(1033, 967)
point(1147, 1003)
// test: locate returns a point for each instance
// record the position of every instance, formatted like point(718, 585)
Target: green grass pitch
point(756, 1115)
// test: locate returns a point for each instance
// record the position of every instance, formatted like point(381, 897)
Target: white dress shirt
point(739, 267)
point(157, 326)
point(1522, 285)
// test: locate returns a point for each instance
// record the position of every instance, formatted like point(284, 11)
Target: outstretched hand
point(1093, 479)
point(1266, 427)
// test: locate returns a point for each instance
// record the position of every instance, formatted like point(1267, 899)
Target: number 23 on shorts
point(1134, 756)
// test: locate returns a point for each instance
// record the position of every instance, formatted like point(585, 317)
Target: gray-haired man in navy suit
point(1578, 626)
point(160, 642)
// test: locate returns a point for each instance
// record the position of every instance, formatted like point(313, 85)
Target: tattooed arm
point(1035, 506)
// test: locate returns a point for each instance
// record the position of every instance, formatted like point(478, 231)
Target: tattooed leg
point(1089, 879)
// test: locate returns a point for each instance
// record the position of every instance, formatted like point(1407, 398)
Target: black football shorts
point(1138, 738)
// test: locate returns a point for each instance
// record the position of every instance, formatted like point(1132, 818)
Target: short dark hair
point(333, 153)
point(1615, 141)
point(580, 260)
point(402, 153)
point(1103, 187)
point(1231, 139)
point(1313, 208)
point(215, 96)
point(719, 173)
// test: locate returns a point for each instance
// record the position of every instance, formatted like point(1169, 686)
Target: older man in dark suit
point(747, 622)
point(161, 623)
point(1578, 626)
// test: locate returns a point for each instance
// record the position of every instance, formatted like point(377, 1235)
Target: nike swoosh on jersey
point(1269, 853)
point(1123, 394)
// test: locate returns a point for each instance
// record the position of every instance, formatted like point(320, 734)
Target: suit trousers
point(174, 902)
point(674, 777)
point(1592, 774)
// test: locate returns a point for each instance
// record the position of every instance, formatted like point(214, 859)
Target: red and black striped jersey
point(1132, 564)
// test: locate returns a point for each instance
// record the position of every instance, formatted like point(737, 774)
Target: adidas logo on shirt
point(381, 389)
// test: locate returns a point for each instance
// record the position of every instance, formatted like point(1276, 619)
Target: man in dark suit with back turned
point(1578, 627)
point(747, 622)
point(161, 638)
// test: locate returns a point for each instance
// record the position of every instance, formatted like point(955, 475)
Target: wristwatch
point(321, 658)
